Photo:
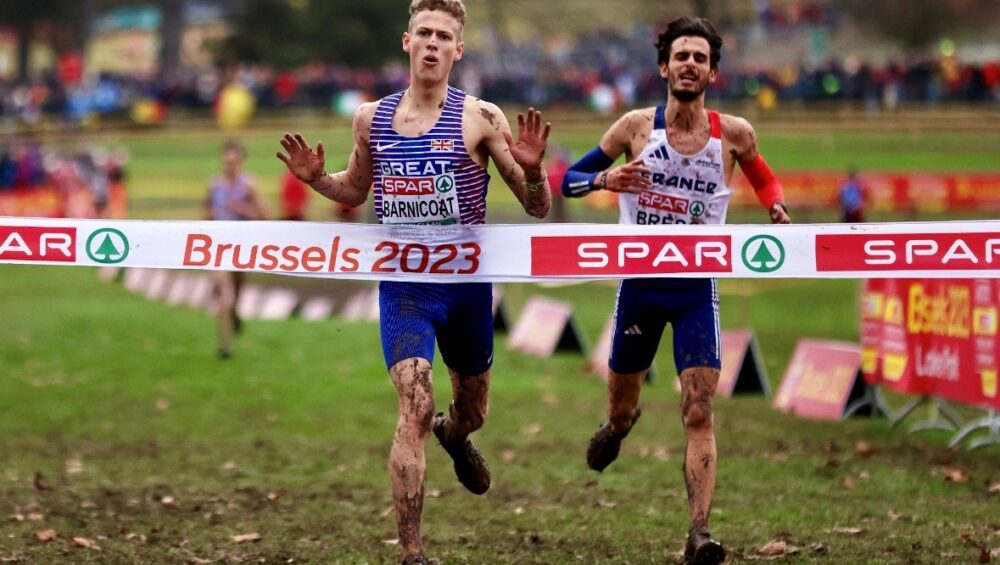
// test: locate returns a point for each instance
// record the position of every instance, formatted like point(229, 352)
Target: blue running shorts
point(642, 310)
point(460, 316)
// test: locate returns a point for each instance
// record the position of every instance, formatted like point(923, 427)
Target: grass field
point(120, 427)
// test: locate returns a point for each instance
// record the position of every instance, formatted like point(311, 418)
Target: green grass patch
point(119, 425)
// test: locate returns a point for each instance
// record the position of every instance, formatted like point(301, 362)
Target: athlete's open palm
point(302, 161)
point(529, 149)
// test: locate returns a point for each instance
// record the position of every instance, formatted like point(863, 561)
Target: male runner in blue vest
point(432, 135)
point(680, 158)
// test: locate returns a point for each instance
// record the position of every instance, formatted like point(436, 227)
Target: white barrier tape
point(514, 252)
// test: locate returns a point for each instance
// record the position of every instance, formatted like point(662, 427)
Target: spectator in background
point(852, 196)
point(8, 170)
point(93, 175)
point(345, 213)
point(27, 159)
point(231, 196)
point(556, 170)
point(294, 198)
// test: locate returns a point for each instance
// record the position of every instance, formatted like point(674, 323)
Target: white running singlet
point(687, 189)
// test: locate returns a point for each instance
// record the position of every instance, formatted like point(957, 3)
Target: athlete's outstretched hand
point(631, 177)
point(307, 165)
point(529, 149)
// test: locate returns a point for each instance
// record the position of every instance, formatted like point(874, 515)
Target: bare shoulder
point(633, 125)
point(483, 114)
point(736, 129)
point(365, 112)
point(636, 120)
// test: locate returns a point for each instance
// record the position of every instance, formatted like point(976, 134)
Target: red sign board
point(742, 367)
point(932, 192)
point(544, 326)
point(933, 337)
point(819, 379)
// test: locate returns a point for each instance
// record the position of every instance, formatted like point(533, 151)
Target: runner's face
point(434, 44)
point(689, 71)
point(232, 160)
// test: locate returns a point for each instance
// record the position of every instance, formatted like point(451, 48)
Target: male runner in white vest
point(425, 151)
point(680, 158)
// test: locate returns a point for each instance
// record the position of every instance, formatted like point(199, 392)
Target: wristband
point(764, 183)
point(582, 177)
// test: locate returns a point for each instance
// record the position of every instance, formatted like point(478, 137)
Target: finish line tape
point(514, 252)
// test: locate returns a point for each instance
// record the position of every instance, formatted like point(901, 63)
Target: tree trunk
point(170, 31)
point(702, 8)
point(86, 11)
point(23, 46)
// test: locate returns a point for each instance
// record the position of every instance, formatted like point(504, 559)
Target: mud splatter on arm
point(490, 117)
point(351, 186)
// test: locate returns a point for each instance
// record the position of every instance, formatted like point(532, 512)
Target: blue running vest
point(428, 179)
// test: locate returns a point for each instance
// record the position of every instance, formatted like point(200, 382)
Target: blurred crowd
point(605, 69)
point(83, 182)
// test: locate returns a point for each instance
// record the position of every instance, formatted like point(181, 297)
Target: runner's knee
point(697, 413)
point(416, 396)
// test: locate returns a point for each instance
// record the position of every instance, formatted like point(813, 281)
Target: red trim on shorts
point(713, 117)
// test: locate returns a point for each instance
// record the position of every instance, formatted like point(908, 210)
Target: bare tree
point(172, 27)
point(918, 23)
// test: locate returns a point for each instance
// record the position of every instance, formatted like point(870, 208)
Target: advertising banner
point(821, 379)
point(514, 252)
point(933, 337)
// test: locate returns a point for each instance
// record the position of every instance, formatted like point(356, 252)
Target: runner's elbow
point(354, 198)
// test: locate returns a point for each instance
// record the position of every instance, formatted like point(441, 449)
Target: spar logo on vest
point(419, 191)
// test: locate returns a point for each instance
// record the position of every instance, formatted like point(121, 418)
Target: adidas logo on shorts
point(634, 330)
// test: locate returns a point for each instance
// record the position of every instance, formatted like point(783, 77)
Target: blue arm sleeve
point(579, 179)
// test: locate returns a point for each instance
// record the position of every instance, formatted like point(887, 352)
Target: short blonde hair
point(454, 8)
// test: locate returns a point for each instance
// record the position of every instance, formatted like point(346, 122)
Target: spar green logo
point(697, 208)
point(444, 183)
point(763, 254)
point(108, 246)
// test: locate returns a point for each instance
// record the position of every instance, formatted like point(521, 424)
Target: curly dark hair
point(682, 27)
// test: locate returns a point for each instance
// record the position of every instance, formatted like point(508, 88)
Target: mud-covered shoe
point(605, 445)
point(701, 549)
point(414, 559)
point(470, 465)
